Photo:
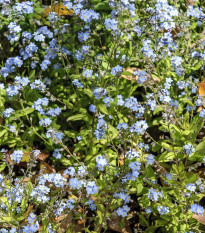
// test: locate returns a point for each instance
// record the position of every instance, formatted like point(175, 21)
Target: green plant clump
point(102, 116)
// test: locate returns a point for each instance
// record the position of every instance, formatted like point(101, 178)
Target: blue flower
point(116, 70)
point(39, 37)
point(107, 101)
point(99, 92)
point(169, 176)
point(92, 108)
point(16, 156)
point(189, 149)
point(91, 187)
point(139, 127)
point(154, 195)
point(7, 112)
point(88, 15)
point(142, 76)
point(123, 211)
point(45, 122)
point(101, 162)
point(83, 36)
point(163, 209)
point(197, 209)
point(87, 73)
point(111, 24)
point(69, 171)
point(75, 183)
point(122, 125)
point(150, 159)
point(148, 210)
point(77, 83)
point(191, 187)
point(92, 205)
point(57, 154)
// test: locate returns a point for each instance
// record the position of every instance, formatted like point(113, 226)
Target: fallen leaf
point(201, 86)
point(64, 221)
point(200, 218)
point(190, 2)
point(46, 168)
point(201, 92)
point(79, 226)
point(29, 210)
point(131, 77)
point(26, 179)
point(64, 175)
point(26, 157)
point(40, 228)
point(114, 225)
point(42, 156)
point(121, 160)
point(131, 71)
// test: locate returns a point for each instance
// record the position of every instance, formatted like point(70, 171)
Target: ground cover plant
point(102, 116)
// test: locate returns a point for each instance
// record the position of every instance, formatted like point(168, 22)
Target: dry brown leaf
point(130, 77)
point(26, 179)
point(93, 198)
point(29, 210)
point(121, 160)
point(190, 2)
point(114, 225)
point(200, 218)
point(40, 228)
point(201, 92)
point(64, 175)
point(201, 172)
point(79, 226)
point(42, 156)
point(47, 168)
point(135, 78)
point(64, 221)
point(199, 109)
point(80, 210)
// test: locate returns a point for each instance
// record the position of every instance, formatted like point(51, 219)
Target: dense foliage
point(102, 116)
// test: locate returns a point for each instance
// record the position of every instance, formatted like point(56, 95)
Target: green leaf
point(166, 157)
point(2, 132)
point(68, 104)
point(104, 65)
point(157, 110)
point(197, 66)
point(122, 223)
point(191, 177)
point(149, 172)
point(139, 188)
point(199, 153)
point(78, 117)
point(143, 220)
point(151, 229)
point(32, 74)
point(22, 112)
point(2, 166)
point(103, 109)
point(65, 161)
point(127, 73)
point(88, 92)
point(100, 216)
point(102, 6)
point(166, 146)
